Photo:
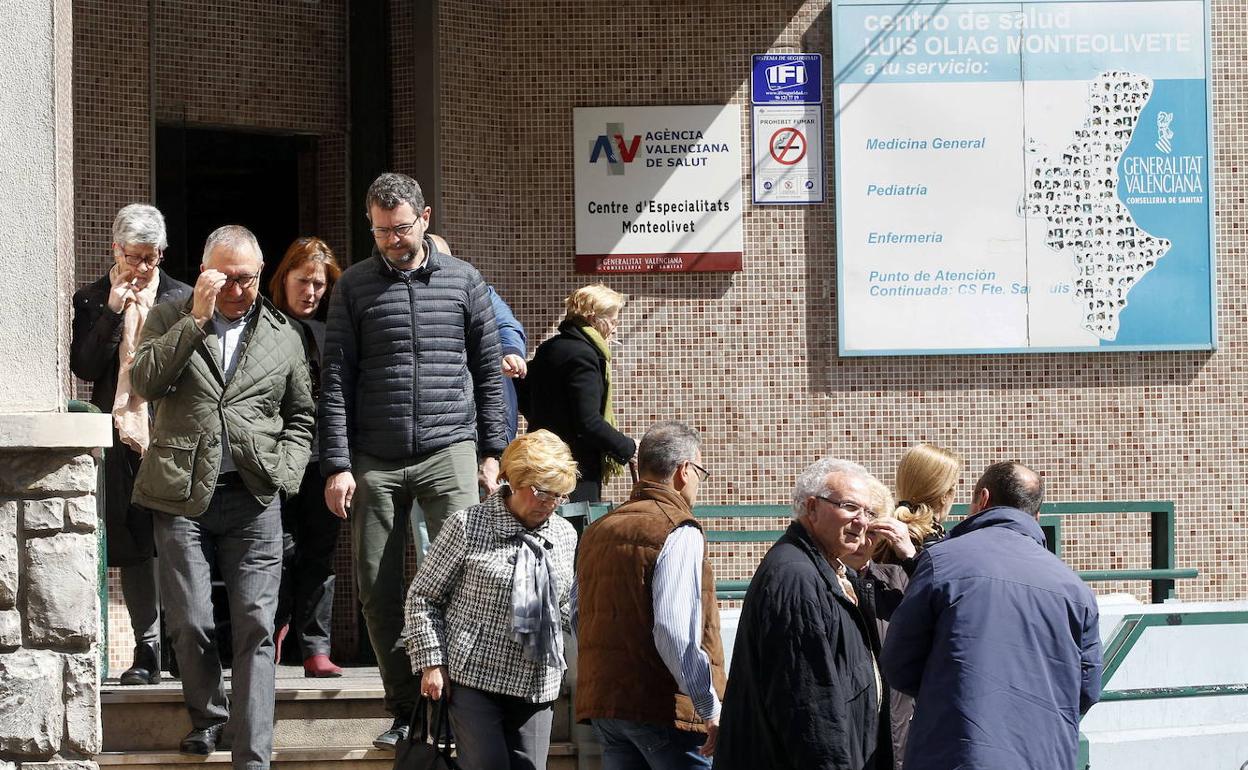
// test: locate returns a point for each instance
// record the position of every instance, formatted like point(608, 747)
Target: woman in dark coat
point(304, 278)
point(108, 319)
point(568, 389)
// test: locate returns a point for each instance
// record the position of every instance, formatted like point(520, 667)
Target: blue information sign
point(787, 78)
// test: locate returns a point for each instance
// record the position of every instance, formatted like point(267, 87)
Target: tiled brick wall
point(750, 358)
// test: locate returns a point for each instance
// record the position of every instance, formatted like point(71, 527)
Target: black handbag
point(415, 752)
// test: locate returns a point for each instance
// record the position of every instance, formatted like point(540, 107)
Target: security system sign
point(658, 189)
point(787, 118)
point(787, 78)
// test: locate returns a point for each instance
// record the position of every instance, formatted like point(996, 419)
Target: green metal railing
point(1161, 573)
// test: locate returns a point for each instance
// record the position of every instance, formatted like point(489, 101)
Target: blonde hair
point(926, 475)
point(593, 301)
point(539, 459)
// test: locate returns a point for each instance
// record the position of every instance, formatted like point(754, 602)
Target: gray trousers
point(244, 539)
point(499, 732)
point(442, 483)
point(139, 588)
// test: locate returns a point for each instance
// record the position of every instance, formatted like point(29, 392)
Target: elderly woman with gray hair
point(488, 606)
point(108, 319)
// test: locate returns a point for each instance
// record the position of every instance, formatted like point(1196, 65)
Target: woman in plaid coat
point(487, 610)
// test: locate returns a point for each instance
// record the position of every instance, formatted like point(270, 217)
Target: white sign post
point(658, 189)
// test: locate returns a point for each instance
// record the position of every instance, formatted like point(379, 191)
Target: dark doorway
point(206, 178)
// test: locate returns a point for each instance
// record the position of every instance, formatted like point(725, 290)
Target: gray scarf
point(535, 619)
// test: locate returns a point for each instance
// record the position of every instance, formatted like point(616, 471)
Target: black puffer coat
point(411, 363)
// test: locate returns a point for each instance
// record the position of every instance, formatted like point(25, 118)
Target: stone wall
point(49, 608)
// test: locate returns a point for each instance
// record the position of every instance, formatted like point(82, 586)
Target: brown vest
point(620, 674)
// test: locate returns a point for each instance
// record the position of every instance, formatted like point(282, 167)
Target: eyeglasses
point(241, 281)
point(850, 507)
point(384, 233)
point(703, 473)
point(133, 260)
point(549, 497)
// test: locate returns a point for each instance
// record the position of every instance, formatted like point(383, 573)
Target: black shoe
point(146, 666)
point(202, 742)
point(390, 738)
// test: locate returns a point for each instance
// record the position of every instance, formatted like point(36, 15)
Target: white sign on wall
point(658, 189)
point(788, 154)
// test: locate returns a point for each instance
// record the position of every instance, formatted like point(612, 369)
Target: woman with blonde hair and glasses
point(569, 390)
point(488, 607)
point(927, 481)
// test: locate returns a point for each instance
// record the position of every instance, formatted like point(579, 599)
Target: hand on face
point(895, 533)
point(207, 287)
point(123, 288)
point(234, 284)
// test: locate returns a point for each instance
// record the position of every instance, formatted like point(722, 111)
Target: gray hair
point(813, 482)
point(234, 238)
point(140, 223)
point(664, 447)
point(391, 190)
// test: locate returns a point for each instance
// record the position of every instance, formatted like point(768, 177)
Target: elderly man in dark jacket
point(108, 319)
point(997, 638)
point(411, 399)
point(804, 691)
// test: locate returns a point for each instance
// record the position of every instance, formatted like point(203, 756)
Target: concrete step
point(562, 757)
point(309, 714)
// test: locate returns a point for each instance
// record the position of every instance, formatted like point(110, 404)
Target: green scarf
point(610, 466)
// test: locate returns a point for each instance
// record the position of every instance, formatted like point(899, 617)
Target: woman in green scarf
point(568, 389)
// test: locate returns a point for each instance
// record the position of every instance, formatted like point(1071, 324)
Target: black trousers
point(309, 540)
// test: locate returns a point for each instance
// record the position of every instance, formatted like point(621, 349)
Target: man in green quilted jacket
point(228, 379)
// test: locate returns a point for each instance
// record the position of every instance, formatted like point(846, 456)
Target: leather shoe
point(146, 666)
point(390, 738)
point(202, 742)
point(320, 667)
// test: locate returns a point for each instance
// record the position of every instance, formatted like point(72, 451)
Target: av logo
point(615, 148)
point(782, 77)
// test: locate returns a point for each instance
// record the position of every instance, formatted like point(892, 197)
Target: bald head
point(1010, 484)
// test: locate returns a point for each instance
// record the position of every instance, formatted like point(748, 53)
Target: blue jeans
point(642, 746)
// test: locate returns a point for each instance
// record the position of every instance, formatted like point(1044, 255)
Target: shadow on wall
point(829, 373)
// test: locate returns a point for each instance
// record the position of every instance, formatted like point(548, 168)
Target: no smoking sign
point(788, 146)
point(788, 154)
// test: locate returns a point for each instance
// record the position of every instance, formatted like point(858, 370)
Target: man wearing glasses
point(108, 319)
point(227, 375)
point(411, 401)
point(651, 662)
point(805, 688)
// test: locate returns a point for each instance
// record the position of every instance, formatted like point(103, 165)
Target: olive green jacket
point(266, 408)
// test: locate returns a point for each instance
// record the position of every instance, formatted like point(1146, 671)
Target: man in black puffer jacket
point(412, 396)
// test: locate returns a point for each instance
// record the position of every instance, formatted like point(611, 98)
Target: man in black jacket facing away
point(804, 691)
point(411, 398)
